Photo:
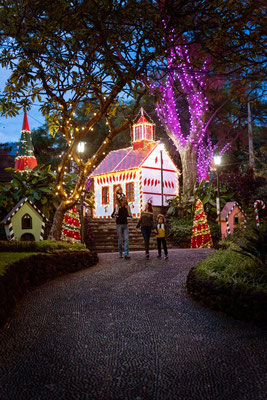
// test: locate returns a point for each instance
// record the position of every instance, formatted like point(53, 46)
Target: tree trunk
point(188, 156)
point(251, 161)
point(55, 231)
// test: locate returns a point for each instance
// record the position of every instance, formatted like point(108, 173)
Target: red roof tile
point(142, 119)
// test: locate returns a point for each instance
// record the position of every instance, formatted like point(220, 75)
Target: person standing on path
point(147, 223)
point(122, 229)
point(160, 235)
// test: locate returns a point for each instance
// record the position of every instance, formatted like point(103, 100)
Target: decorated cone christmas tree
point(71, 226)
point(25, 157)
point(201, 236)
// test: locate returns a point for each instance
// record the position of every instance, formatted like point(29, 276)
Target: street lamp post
point(80, 149)
point(161, 148)
point(217, 162)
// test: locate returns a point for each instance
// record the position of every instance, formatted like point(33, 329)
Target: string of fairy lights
point(193, 85)
point(87, 165)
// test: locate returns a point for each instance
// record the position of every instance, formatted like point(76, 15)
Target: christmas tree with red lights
point(25, 156)
point(71, 226)
point(201, 236)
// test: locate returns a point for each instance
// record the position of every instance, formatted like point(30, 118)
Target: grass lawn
point(234, 268)
point(8, 258)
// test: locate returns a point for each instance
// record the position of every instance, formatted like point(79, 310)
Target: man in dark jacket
point(122, 229)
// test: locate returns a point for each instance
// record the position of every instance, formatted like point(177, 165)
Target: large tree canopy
point(70, 53)
point(67, 53)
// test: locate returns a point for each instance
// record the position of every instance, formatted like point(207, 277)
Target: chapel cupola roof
point(143, 130)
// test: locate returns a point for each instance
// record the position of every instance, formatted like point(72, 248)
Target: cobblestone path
point(126, 329)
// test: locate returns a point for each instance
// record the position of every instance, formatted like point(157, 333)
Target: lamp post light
point(217, 161)
point(161, 148)
point(80, 149)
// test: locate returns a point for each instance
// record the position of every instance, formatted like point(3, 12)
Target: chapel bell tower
point(143, 131)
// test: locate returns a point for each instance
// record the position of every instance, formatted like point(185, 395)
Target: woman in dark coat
point(146, 222)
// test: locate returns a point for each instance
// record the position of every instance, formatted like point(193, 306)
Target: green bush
point(228, 266)
point(9, 258)
point(255, 245)
point(182, 228)
point(44, 246)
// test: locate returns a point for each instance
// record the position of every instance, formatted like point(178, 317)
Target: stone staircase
point(101, 235)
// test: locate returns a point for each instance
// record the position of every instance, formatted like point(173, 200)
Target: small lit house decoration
point(232, 217)
point(25, 222)
point(138, 170)
point(25, 157)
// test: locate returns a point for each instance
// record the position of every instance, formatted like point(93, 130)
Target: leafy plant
point(255, 246)
point(180, 228)
point(229, 266)
point(44, 246)
point(184, 208)
point(38, 185)
point(243, 186)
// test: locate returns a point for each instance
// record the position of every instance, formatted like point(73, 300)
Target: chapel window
point(105, 195)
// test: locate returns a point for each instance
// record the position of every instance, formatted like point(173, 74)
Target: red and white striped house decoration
point(137, 169)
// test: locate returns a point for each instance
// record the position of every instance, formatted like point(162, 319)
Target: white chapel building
point(138, 170)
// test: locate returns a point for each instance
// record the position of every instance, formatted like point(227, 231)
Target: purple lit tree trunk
point(194, 146)
point(188, 156)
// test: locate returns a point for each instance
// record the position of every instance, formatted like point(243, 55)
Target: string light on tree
point(201, 236)
point(71, 226)
point(193, 83)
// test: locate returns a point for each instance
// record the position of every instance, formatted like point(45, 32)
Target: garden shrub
point(230, 267)
point(234, 279)
point(44, 246)
point(181, 228)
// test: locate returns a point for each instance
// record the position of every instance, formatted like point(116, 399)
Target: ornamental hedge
point(239, 301)
point(35, 270)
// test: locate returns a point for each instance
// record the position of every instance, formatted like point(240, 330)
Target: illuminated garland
point(201, 236)
point(71, 226)
point(194, 83)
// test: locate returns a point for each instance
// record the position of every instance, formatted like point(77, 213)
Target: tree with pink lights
point(185, 79)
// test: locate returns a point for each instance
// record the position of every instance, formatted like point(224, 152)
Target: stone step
point(104, 235)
